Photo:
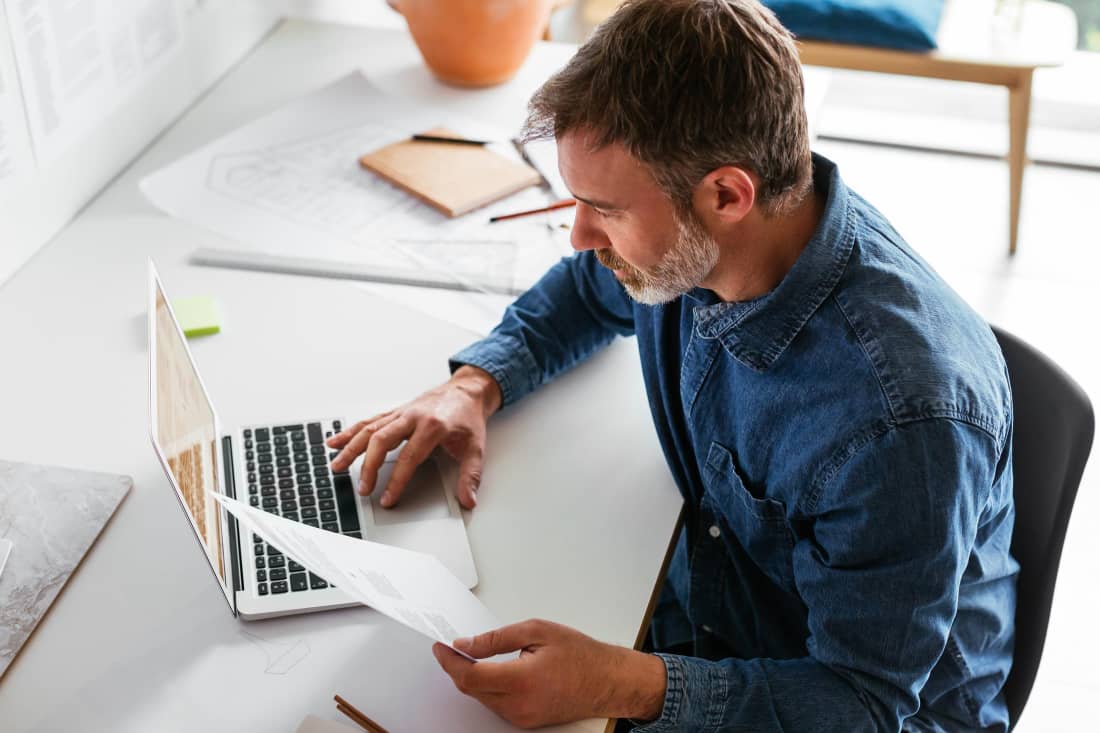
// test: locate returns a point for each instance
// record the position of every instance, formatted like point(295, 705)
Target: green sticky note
point(198, 316)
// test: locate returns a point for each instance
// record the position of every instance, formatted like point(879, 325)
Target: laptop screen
point(185, 429)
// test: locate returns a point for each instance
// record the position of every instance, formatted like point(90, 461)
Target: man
point(837, 420)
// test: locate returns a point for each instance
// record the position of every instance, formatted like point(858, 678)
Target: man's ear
point(726, 195)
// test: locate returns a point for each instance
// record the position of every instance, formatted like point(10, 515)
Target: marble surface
point(51, 516)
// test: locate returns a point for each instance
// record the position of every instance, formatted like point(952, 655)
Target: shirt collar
point(756, 332)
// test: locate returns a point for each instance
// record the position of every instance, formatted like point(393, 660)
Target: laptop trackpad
point(424, 496)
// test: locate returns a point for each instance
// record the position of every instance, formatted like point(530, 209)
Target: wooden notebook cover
point(452, 178)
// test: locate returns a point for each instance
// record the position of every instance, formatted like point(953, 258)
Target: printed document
point(79, 60)
point(412, 588)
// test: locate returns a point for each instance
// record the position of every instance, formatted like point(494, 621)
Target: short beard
point(682, 268)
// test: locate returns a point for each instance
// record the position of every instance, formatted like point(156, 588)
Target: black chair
point(1052, 436)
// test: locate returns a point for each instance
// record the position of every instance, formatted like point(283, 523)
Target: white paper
point(16, 158)
point(412, 588)
point(313, 724)
point(5, 550)
point(290, 184)
point(79, 60)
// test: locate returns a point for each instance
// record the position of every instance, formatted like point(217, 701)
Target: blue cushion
point(903, 24)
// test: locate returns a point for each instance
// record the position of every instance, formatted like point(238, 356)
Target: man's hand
point(561, 676)
point(452, 415)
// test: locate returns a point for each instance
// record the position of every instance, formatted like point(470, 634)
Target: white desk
point(141, 638)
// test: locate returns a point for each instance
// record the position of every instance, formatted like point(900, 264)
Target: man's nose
point(585, 234)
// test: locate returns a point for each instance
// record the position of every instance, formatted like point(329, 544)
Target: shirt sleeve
point(574, 309)
point(879, 565)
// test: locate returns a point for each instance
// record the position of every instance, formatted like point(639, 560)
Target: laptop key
point(276, 562)
point(346, 502)
point(320, 461)
point(248, 443)
point(282, 461)
point(289, 506)
point(330, 526)
point(321, 471)
point(305, 490)
point(261, 575)
point(262, 434)
point(262, 448)
point(314, 430)
point(282, 450)
point(312, 522)
point(298, 435)
point(285, 472)
point(292, 516)
point(278, 430)
point(308, 512)
point(262, 589)
point(288, 494)
point(266, 469)
point(259, 549)
point(257, 538)
point(267, 479)
point(328, 516)
point(261, 563)
point(286, 483)
point(354, 534)
point(253, 489)
point(302, 469)
point(316, 583)
point(317, 450)
point(279, 587)
point(280, 440)
point(322, 492)
point(248, 432)
point(268, 491)
point(294, 567)
point(298, 582)
point(336, 426)
point(327, 504)
point(307, 500)
point(278, 574)
point(298, 446)
point(254, 500)
point(300, 456)
point(323, 482)
point(270, 502)
point(292, 428)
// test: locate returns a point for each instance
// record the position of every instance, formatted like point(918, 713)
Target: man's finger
point(479, 680)
point(359, 443)
point(469, 477)
point(385, 439)
point(502, 640)
point(423, 441)
point(341, 438)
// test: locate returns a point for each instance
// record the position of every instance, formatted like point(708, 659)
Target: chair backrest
point(1052, 436)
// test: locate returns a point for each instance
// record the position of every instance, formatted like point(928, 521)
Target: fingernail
point(473, 497)
point(463, 643)
point(387, 499)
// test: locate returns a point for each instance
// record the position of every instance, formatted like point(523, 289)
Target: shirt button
point(715, 532)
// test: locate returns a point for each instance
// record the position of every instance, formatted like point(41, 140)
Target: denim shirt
point(843, 448)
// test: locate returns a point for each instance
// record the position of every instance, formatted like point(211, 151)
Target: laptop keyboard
point(289, 475)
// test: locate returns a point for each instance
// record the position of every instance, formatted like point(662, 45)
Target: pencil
point(442, 139)
point(352, 712)
point(563, 204)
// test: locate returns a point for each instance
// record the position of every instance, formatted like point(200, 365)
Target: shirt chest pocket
point(756, 527)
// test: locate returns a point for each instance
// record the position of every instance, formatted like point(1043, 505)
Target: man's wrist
point(480, 384)
point(640, 693)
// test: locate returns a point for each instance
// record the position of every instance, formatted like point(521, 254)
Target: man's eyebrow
point(595, 204)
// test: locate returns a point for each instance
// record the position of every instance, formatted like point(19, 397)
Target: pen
point(563, 204)
point(350, 710)
point(442, 139)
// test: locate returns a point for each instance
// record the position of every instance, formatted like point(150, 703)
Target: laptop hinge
point(234, 539)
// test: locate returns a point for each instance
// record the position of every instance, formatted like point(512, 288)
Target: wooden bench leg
point(1019, 113)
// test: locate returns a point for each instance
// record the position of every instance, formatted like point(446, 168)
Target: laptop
point(283, 468)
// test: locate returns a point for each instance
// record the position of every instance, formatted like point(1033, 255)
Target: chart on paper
point(80, 59)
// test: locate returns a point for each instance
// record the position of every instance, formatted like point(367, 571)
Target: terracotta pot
point(475, 43)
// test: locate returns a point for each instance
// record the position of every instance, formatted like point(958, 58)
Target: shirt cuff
point(695, 696)
point(507, 360)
